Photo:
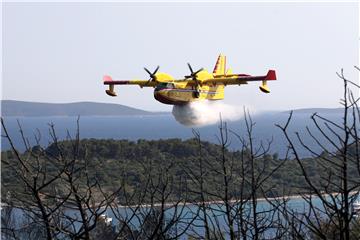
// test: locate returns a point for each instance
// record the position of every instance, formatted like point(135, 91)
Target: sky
point(58, 52)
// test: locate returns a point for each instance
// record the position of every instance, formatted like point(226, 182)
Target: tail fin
point(220, 66)
point(271, 75)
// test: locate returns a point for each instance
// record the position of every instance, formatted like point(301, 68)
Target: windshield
point(165, 85)
point(170, 85)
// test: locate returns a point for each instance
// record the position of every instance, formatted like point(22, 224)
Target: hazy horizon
point(167, 111)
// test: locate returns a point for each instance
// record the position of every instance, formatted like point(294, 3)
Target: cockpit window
point(164, 85)
point(170, 85)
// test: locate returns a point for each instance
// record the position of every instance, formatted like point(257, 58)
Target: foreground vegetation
point(114, 163)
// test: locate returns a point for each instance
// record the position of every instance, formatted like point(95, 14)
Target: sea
point(190, 220)
point(164, 126)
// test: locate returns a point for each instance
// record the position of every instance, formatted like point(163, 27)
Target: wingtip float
point(198, 85)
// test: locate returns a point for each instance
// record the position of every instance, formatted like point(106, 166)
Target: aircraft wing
point(237, 79)
point(142, 83)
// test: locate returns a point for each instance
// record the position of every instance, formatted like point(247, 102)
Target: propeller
point(194, 77)
point(193, 74)
point(152, 74)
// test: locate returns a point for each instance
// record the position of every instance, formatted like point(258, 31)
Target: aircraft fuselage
point(169, 93)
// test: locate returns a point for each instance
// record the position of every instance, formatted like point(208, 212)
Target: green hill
point(122, 162)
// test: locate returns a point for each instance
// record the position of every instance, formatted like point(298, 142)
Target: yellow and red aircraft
point(199, 85)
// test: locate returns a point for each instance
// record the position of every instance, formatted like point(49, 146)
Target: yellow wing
point(237, 79)
point(142, 83)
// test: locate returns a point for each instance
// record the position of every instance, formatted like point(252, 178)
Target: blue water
point(187, 213)
point(160, 127)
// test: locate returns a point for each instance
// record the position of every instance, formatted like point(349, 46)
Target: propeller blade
point(147, 70)
point(191, 70)
point(157, 68)
point(198, 71)
point(152, 74)
point(193, 74)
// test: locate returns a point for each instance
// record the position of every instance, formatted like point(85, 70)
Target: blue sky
point(58, 52)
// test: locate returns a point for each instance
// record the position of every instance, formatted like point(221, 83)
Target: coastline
point(214, 202)
point(286, 198)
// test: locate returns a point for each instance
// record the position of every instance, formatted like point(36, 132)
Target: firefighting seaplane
point(198, 85)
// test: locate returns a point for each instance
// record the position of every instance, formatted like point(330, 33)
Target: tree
point(337, 185)
point(58, 196)
point(229, 187)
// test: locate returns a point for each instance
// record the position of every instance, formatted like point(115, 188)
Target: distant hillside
point(35, 109)
point(318, 110)
point(11, 108)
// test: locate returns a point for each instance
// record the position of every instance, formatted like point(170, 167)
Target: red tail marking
point(217, 64)
point(107, 78)
point(271, 75)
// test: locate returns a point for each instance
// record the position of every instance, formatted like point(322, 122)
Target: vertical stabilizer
point(220, 66)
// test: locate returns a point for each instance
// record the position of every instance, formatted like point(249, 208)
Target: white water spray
point(203, 113)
